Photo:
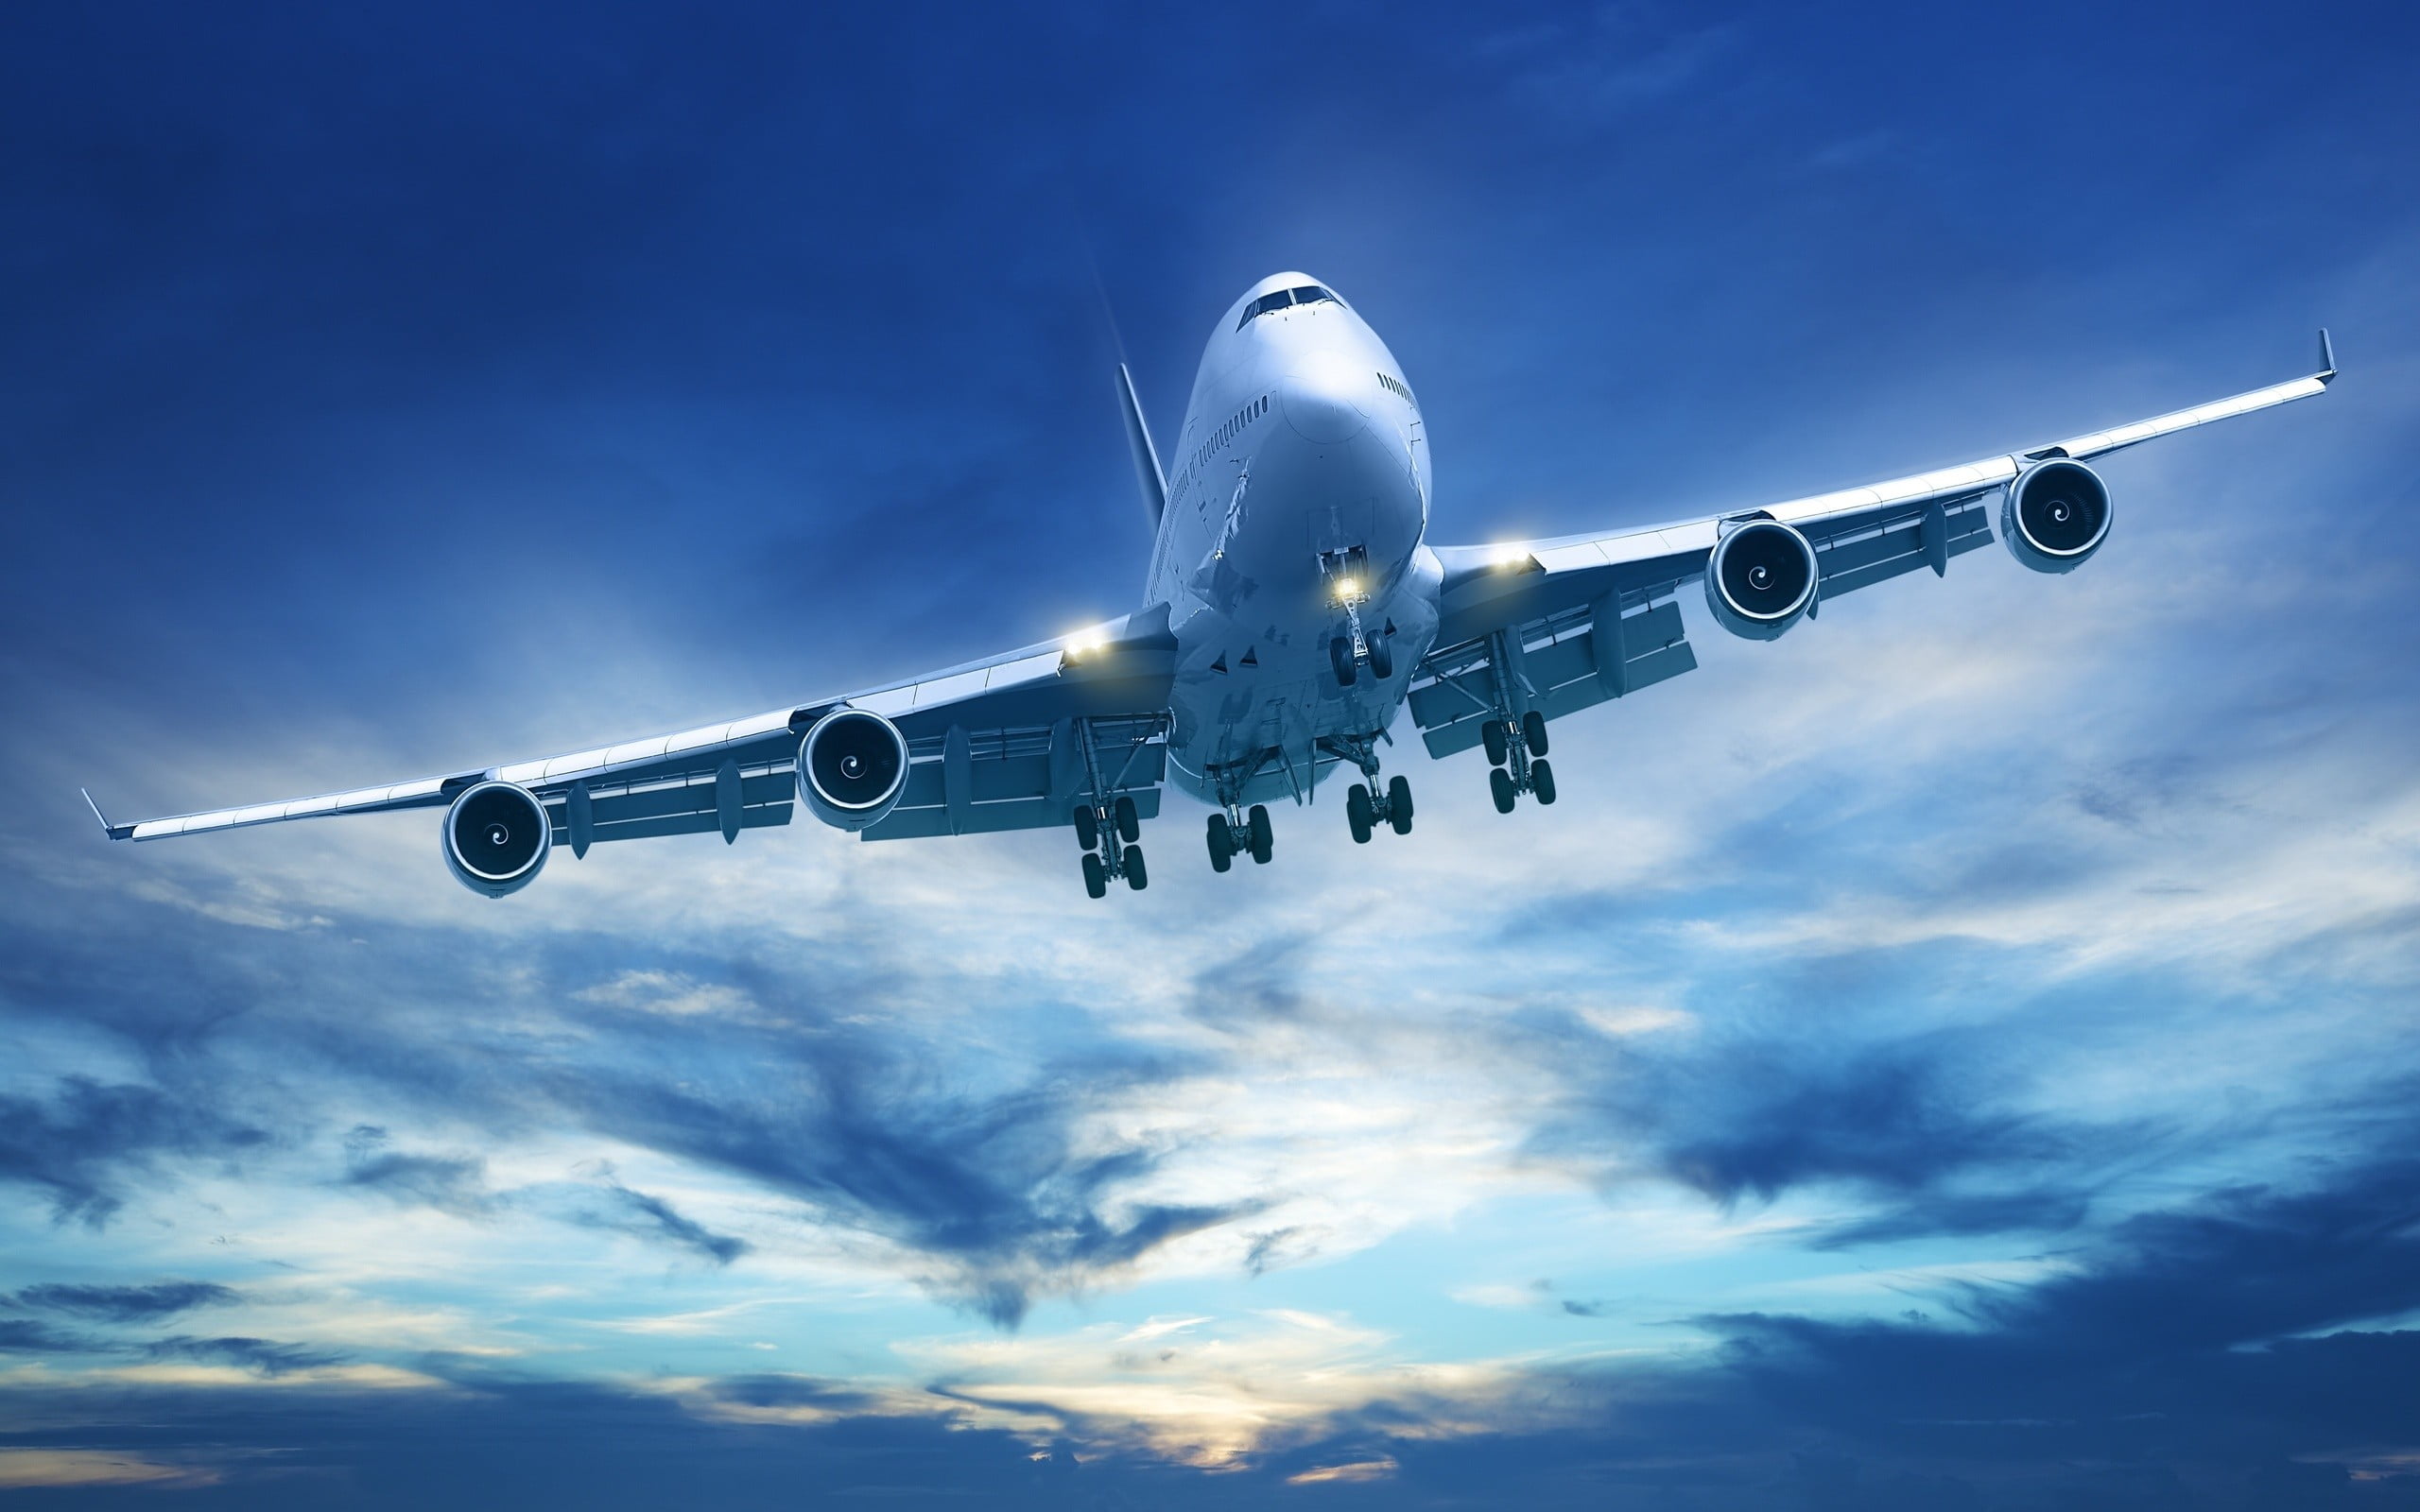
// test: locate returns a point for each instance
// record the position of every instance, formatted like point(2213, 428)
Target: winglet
point(2327, 356)
point(116, 832)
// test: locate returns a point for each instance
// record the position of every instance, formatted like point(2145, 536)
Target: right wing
point(1009, 742)
point(1557, 625)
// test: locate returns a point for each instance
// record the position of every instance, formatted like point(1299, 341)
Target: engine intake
point(851, 767)
point(497, 838)
point(1760, 579)
point(2055, 515)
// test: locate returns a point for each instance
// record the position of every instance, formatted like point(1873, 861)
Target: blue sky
point(1960, 1053)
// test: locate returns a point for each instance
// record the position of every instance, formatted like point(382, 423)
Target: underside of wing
point(1530, 632)
point(1010, 742)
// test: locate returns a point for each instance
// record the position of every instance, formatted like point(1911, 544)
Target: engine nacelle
point(2055, 515)
point(497, 838)
point(851, 767)
point(1762, 579)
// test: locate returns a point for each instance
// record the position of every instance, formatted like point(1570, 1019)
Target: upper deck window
point(1280, 299)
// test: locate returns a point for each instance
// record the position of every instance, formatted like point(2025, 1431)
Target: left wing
point(1552, 627)
point(1008, 742)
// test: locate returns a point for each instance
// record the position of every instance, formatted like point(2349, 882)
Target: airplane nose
point(1320, 398)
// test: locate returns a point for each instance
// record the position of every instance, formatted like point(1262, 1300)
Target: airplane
point(1293, 608)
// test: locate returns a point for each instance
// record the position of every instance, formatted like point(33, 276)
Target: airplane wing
point(1553, 626)
point(1010, 742)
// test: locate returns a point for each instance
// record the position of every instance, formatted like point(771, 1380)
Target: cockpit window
point(1280, 299)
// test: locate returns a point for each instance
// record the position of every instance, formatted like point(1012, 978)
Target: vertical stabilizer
point(1147, 476)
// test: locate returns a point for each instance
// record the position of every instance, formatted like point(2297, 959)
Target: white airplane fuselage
point(1297, 498)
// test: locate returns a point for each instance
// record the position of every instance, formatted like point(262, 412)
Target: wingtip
point(2327, 357)
point(116, 832)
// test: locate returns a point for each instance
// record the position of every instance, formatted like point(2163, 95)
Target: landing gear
point(1366, 804)
point(1237, 831)
point(1356, 813)
point(1399, 804)
point(1108, 827)
point(1516, 760)
point(1347, 575)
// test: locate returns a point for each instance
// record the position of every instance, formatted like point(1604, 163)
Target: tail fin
point(1147, 476)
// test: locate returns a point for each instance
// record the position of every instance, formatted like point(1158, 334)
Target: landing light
point(1511, 555)
point(1346, 588)
point(1083, 643)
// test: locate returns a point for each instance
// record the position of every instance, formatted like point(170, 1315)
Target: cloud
point(1920, 1121)
point(649, 1217)
point(455, 1184)
point(263, 1356)
point(126, 1304)
point(77, 1144)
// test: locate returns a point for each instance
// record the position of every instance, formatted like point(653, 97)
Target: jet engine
point(497, 838)
point(851, 767)
point(2055, 514)
point(1760, 579)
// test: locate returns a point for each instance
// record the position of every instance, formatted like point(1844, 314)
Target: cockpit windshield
point(1280, 299)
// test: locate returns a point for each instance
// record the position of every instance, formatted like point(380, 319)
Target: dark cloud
point(22, 1335)
point(456, 1184)
point(262, 1356)
point(1922, 1123)
point(80, 1143)
point(621, 1209)
point(128, 1304)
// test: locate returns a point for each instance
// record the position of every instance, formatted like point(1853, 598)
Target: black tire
point(1499, 748)
point(1129, 826)
point(1542, 781)
point(1087, 827)
point(1499, 782)
point(1339, 656)
point(1096, 876)
point(1358, 813)
point(1264, 843)
point(1399, 804)
point(1382, 658)
point(1533, 730)
point(1223, 843)
point(1136, 877)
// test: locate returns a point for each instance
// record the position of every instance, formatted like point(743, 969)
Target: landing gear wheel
point(1533, 730)
point(1356, 813)
point(1492, 736)
point(1382, 658)
point(1399, 804)
point(1129, 828)
point(1339, 656)
point(1096, 876)
point(1499, 782)
point(1223, 843)
point(1263, 842)
point(1136, 877)
point(1087, 827)
point(1542, 781)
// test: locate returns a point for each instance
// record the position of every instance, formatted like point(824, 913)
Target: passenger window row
point(1224, 433)
point(1280, 299)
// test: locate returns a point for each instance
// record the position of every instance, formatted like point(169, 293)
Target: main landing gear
point(1516, 758)
point(1235, 831)
point(1366, 805)
point(1231, 837)
point(1107, 832)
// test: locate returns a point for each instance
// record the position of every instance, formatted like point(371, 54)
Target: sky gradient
point(1961, 1054)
